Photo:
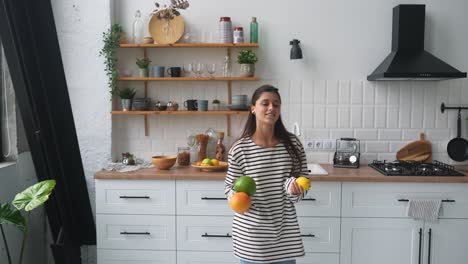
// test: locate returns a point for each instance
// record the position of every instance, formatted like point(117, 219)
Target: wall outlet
point(318, 144)
point(309, 145)
point(329, 144)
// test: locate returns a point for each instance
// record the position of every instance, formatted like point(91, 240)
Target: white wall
point(326, 92)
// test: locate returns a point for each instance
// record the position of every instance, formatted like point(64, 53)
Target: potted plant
point(112, 38)
point(247, 60)
point(126, 97)
point(216, 104)
point(30, 198)
point(143, 65)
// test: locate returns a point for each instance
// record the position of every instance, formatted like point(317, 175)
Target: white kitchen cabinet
point(202, 198)
point(319, 258)
point(106, 256)
point(446, 241)
point(320, 234)
point(204, 233)
point(197, 257)
point(323, 199)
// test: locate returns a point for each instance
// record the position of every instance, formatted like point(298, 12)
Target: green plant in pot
point(216, 104)
point(247, 60)
point(29, 199)
point(112, 38)
point(143, 65)
point(126, 98)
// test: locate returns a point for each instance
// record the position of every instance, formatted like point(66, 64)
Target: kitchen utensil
point(237, 107)
point(163, 162)
point(221, 167)
point(172, 106)
point(457, 148)
point(420, 150)
point(347, 153)
point(166, 31)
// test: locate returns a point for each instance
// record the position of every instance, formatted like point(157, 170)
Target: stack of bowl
point(239, 102)
point(141, 104)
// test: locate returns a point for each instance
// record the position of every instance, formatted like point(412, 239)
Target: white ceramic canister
point(238, 35)
point(225, 30)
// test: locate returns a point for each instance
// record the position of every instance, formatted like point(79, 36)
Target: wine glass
point(211, 68)
point(188, 68)
point(199, 68)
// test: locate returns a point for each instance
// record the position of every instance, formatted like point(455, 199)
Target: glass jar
point(238, 36)
point(183, 156)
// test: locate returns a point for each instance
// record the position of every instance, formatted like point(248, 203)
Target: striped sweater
point(269, 231)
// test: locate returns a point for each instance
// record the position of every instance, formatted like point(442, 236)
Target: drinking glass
point(188, 68)
point(199, 69)
point(211, 68)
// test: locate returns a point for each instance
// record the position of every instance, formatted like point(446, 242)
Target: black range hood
point(408, 59)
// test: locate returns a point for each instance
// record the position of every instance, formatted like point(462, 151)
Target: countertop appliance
point(414, 168)
point(347, 153)
point(408, 60)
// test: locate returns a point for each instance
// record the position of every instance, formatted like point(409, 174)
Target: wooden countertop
point(363, 174)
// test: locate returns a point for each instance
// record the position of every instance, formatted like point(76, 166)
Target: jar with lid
point(183, 156)
point(238, 35)
point(225, 30)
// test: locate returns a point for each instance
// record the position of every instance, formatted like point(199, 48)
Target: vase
point(247, 70)
point(216, 107)
point(144, 72)
point(126, 104)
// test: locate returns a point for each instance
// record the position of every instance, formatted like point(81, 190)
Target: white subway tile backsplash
point(295, 92)
point(405, 93)
point(395, 146)
point(307, 115)
point(343, 117)
point(367, 158)
point(308, 92)
point(319, 116)
point(164, 146)
point(380, 116)
point(393, 94)
point(369, 93)
point(356, 116)
point(345, 92)
point(412, 134)
point(314, 157)
point(437, 134)
point(392, 117)
point(332, 92)
point(356, 92)
point(332, 117)
point(341, 133)
point(381, 93)
point(429, 118)
point(404, 116)
point(376, 146)
point(389, 134)
point(454, 92)
point(386, 156)
point(417, 114)
point(366, 134)
point(311, 133)
point(320, 92)
point(368, 117)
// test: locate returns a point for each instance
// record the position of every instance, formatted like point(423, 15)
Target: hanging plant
point(111, 40)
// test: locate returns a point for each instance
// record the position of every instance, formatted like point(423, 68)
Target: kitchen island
point(349, 216)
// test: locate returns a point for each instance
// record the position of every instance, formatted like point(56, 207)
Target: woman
point(274, 158)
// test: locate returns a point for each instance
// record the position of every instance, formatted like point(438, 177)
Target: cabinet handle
point(420, 242)
point(135, 233)
point(206, 235)
point(309, 199)
point(134, 197)
point(444, 200)
point(429, 247)
point(308, 235)
point(213, 198)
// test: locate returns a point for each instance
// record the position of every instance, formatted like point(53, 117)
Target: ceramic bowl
point(164, 162)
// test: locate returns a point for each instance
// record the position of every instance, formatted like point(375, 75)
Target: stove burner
point(414, 168)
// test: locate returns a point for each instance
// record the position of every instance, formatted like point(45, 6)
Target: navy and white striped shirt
point(269, 231)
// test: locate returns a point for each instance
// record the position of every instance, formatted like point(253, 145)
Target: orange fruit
point(240, 202)
point(303, 182)
point(245, 184)
point(214, 162)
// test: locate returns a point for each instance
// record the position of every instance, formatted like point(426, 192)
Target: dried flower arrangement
point(171, 11)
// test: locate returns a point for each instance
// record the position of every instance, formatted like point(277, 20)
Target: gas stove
point(414, 168)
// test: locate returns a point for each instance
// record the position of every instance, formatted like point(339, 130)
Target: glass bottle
point(137, 33)
point(220, 148)
point(227, 66)
point(254, 30)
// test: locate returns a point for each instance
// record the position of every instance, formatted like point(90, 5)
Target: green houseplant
point(247, 60)
point(111, 39)
point(216, 103)
point(29, 199)
point(126, 98)
point(143, 65)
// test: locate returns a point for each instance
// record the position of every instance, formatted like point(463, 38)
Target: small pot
point(144, 72)
point(126, 104)
point(172, 106)
point(247, 70)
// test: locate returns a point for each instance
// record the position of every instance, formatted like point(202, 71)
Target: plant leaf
point(34, 196)
point(12, 217)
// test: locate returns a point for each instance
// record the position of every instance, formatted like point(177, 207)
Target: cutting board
point(419, 150)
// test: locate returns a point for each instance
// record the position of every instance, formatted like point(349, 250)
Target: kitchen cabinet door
point(105, 256)
point(319, 258)
point(446, 241)
point(380, 240)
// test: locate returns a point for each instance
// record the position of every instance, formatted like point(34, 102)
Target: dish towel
point(424, 209)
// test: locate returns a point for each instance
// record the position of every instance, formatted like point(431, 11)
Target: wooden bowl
point(164, 162)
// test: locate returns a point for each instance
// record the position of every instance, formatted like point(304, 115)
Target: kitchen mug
point(190, 105)
point(174, 71)
point(158, 71)
point(201, 105)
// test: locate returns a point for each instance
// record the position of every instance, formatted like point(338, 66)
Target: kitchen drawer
point(204, 233)
point(382, 199)
point(323, 199)
point(135, 197)
point(192, 257)
point(146, 232)
point(105, 256)
point(319, 258)
point(320, 234)
point(202, 198)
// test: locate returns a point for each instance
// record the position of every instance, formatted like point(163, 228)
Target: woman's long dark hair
point(280, 131)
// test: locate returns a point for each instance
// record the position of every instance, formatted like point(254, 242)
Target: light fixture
point(296, 52)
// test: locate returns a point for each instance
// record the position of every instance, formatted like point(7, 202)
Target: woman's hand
point(295, 188)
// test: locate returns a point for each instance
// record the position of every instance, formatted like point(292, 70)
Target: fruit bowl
point(164, 162)
point(221, 167)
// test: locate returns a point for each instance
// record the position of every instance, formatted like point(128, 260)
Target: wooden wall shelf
point(188, 78)
point(181, 112)
point(192, 45)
